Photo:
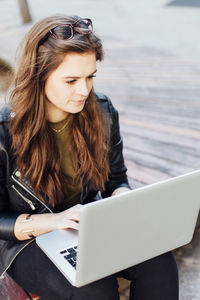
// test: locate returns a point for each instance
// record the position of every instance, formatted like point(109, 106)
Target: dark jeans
point(155, 279)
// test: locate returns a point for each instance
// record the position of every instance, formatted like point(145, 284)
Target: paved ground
point(152, 73)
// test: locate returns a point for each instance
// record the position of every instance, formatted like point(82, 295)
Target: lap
point(33, 270)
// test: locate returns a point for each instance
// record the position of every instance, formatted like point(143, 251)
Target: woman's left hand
point(120, 190)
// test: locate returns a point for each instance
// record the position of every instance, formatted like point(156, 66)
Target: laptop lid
point(121, 231)
point(124, 230)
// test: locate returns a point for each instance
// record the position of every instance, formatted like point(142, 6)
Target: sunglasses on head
point(66, 31)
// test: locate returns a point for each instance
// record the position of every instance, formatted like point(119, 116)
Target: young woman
point(59, 146)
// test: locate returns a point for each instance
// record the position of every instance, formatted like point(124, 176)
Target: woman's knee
point(160, 266)
point(156, 278)
point(165, 265)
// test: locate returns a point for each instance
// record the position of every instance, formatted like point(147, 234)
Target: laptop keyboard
point(70, 255)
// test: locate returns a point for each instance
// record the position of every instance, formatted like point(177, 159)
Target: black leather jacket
point(17, 196)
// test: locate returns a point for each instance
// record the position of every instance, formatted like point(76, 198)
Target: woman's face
point(68, 87)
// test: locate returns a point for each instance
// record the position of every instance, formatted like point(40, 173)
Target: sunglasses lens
point(84, 26)
point(63, 32)
point(87, 24)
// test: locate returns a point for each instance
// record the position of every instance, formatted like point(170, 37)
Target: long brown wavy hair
point(33, 142)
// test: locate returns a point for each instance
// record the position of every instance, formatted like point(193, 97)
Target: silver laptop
point(121, 231)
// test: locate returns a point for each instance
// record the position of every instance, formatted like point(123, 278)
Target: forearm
point(28, 226)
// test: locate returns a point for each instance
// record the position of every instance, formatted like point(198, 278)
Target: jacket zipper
point(24, 187)
point(2, 275)
point(25, 199)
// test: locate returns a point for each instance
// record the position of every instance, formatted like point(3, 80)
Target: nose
point(83, 88)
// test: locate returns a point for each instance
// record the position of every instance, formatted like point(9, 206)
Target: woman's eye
point(74, 80)
point(92, 76)
point(71, 81)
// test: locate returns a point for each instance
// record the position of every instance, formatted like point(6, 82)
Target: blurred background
point(151, 71)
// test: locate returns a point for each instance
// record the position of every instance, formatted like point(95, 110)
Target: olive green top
point(63, 138)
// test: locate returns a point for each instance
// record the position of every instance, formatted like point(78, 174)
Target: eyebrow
point(76, 77)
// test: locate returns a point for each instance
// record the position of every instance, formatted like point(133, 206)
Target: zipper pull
point(24, 198)
point(31, 205)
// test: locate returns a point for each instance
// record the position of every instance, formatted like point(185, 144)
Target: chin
point(77, 110)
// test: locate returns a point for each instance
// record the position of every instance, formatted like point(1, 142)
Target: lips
point(78, 102)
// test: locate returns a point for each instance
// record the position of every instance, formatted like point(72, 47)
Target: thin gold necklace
point(61, 129)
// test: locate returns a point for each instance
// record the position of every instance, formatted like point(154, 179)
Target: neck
point(55, 115)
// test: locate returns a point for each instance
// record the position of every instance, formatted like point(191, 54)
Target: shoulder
point(113, 115)
point(5, 114)
point(4, 132)
point(106, 104)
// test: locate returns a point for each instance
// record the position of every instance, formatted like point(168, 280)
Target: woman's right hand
point(42, 223)
point(68, 218)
